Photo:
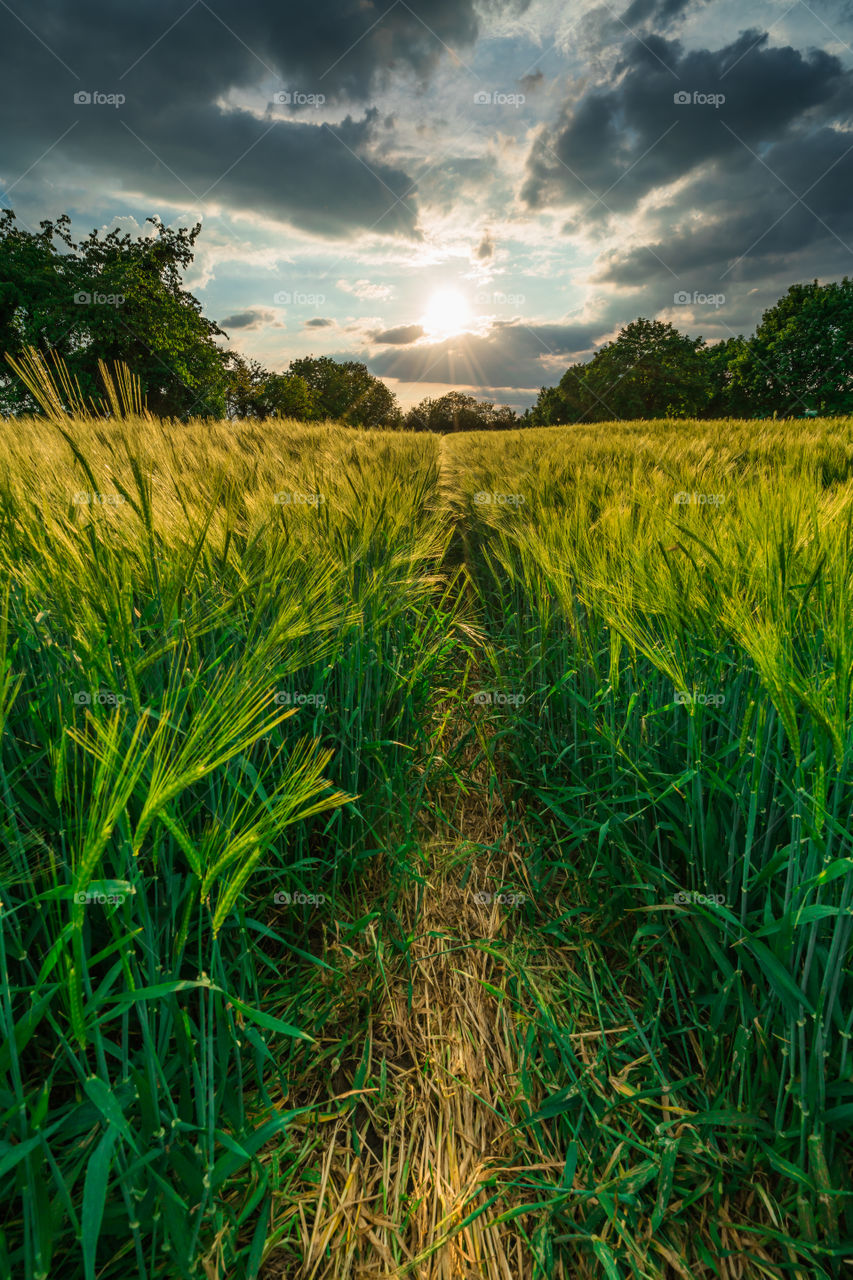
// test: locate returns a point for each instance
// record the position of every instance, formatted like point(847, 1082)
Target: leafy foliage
point(111, 298)
point(798, 363)
point(459, 412)
point(346, 392)
point(802, 354)
point(649, 371)
point(254, 392)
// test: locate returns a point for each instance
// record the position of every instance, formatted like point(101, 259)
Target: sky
point(461, 195)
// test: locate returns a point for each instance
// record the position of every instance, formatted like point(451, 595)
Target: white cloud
point(366, 289)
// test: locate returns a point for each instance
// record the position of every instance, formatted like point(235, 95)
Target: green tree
point(347, 392)
point(649, 371)
point(577, 401)
point(802, 354)
point(111, 297)
point(549, 409)
point(254, 392)
point(729, 397)
point(456, 411)
point(37, 289)
point(504, 418)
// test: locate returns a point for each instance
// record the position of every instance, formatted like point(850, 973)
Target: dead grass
point(407, 1182)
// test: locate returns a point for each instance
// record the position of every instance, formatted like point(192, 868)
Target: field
point(426, 857)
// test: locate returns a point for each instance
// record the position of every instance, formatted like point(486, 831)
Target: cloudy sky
point(462, 195)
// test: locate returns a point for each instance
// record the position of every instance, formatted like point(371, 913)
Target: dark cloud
point(708, 242)
point(401, 336)
point(486, 248)
point(601, 29)
point(173, 138)
point(242, 320)
point(233, 159)
point(344, 50)
point(629, 137)
point(510, 354)
point(659, 13)
point(530, 83)
point(319, 322)
point(254, 318)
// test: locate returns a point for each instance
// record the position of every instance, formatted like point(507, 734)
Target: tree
point(729, 397)
point(649, 371)
point(254, 392)
point(114, 298)
point(456, 411)
point(347, 392)
point(37, 288)
point(504, 418)
point(549, 409)
point(801, 356)
point(576, 401)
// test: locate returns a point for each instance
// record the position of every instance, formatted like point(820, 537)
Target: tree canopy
point(111, 297)
point(254, 392)
point(649, 371)
point(458, 412)
point(347, 392)
point(800, 360)
point(802, 354)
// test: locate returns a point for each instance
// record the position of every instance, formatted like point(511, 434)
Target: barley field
point(426, 857)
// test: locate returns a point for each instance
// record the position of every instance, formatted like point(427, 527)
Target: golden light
point(447, 314)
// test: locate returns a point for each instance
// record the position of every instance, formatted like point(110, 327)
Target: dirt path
point(408, 1179)
point(406, 1189)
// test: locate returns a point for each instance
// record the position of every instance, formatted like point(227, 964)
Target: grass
point(425, 858)
point(685, 730)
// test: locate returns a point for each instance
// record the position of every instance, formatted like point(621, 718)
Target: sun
point(447, 313)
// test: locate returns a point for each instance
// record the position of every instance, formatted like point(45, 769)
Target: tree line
point(798, 363)
point(116, 297)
